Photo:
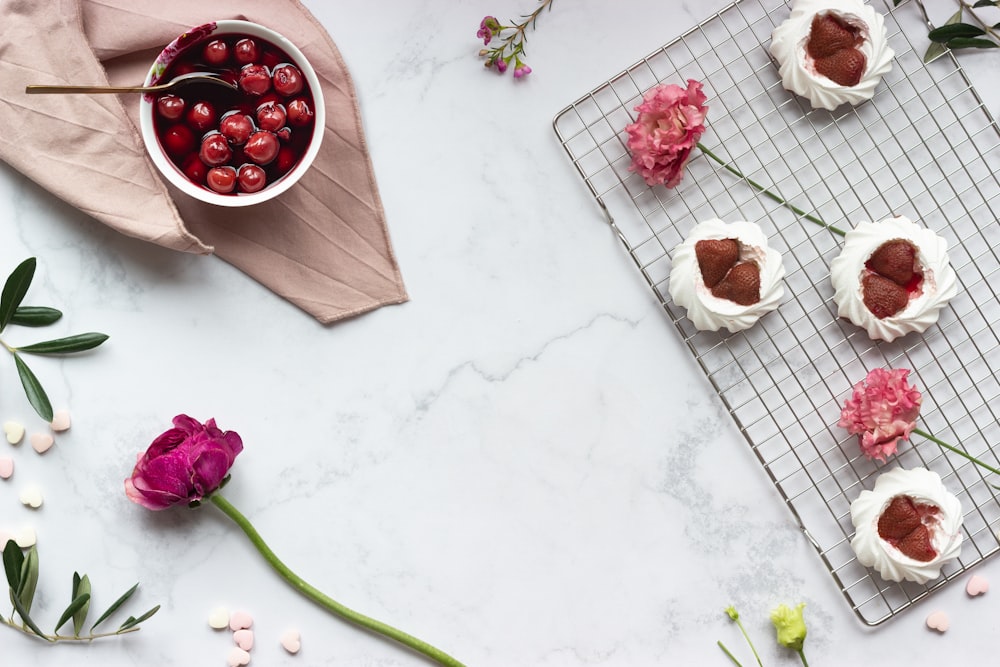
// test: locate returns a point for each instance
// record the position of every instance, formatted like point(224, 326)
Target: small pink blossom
point(501, 65)
point(486, 28)
point(882, 411)
point(670, 123)
point(523, 70)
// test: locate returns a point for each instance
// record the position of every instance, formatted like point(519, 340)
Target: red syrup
point(284, 146)
point(907, 525)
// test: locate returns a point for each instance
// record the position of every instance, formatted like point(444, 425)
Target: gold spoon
point(183, 79)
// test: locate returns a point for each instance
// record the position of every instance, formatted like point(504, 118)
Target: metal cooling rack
point(924, 147)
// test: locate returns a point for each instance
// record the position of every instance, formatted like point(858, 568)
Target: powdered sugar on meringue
point(708, 312)
point(938, 285)
point(797, 69)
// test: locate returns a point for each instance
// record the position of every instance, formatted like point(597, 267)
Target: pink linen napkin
point(323, 244)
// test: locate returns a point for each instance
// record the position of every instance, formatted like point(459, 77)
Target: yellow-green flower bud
point(790, 625)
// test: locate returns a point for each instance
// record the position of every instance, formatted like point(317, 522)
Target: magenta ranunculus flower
point(670, 123)
point(882, 411)
point(183, 465)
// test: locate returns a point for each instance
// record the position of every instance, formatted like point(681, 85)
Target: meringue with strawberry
point(832, 52)
point(726, 275)
point(908, 526)
point(892, 277)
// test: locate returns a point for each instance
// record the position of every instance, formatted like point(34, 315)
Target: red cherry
point(262, 147)
point(286, 160)
point(236, 127)
point(215, 150)
point(216, 52)
point(246, 51)
point(201, 116)
point(221, 179)
point(195, 169)
point(255, 79)
point(285, 133)
point(178, 140)
point(271, 117)
point(170, 106)
point(287, 79)
point(299, 112)
point(251, 178)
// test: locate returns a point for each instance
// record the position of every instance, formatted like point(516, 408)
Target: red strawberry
point(844, 67)
point(741, 285)
point(829, 34)
point(917, 545)
point(894, 260)
point(882, 296)
point(899, 519)
point(716, 257)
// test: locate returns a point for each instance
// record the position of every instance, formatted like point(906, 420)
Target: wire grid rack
point(924, 147)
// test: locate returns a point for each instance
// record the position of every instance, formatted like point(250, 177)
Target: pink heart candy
point(244, 639)
point(238, 657)
point(977, 585)
point(240, 620)
point(41, 442)
point(938, 620)
point(6, 468)
point(291, 641)
point(60, 421)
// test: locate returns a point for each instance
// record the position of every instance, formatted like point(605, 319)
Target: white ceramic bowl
point(195, 38)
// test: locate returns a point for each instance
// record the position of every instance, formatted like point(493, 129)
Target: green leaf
point(114, 606)
point(77, 343)
point(936, 49)
point(14, 290)
point(29, 579)
point(35, 316)
point(33, 390)
point(13, 559)
point(972, 43)
point(81, 586)
point(131, 621)
point(78, 603)
point(952, 31)
point(23, 613)
point(985, 3)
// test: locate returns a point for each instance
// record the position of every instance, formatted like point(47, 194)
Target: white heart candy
point(238, 657)
point(13, 431)
point(244, 639)
point(60, 420)
point(25, 537)
point(31, 496)
point(219, 618)
point(291, 641)
point(240, 620)
point(6, 468)
point(41, 442)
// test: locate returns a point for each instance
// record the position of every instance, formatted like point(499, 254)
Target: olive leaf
point(971, 43)
point(35, 316)
point(23, 613)
point(132, 621)
point(77, 343)
point(29, 579)
point(13, 559)
point(986, 3)
point(78, 603)
point(952, 31)
point(33, 390)
point(14, 290)
point(937, 49)
point(114, 606)
point(81, 587)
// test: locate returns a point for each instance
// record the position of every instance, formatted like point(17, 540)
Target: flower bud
point(790, 626)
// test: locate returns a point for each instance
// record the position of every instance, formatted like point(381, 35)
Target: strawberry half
point(715, 258)
point(917, 545)
point(845, 67)
point(895, 260)
point(829, 33)
point(741, 285)
point(882, 296)
point(902, 524)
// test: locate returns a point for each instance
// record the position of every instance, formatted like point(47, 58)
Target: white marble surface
point(522, 465)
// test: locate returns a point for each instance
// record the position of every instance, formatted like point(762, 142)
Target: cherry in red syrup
point(215, 150)
point(201, 116)
point(262, 147)
point(255, 79)
point(271, 117)
point(216, 52)
point(245, 51)
point(170, 107)
point(299, 112)
point(287, 79)
point(236, 127)
point(222, 179)
point(178, 140)
point(251, 178)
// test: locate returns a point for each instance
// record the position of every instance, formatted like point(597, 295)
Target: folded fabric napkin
point(323, 244)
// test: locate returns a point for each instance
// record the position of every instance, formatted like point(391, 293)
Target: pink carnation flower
point(671, 121)
point(882, 411)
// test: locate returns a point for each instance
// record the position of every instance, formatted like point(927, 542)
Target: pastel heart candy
point(291, 641)
point(219, 618)
point(60, 421)
point(938, 620)
point(41, 442)
point(31, 496)
point(25, 537)
point(977, 585)
point(244, 639)
point(238, 657)
point(6, 468)
point(13, 431)
point(240, 620)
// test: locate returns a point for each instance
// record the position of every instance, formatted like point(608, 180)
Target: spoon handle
point(37, 90)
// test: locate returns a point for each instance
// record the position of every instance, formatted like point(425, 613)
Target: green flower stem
point(739, 624)
point(65, 638)
point(767, 193)
point(322, 599)
point(731, 656)
point(802, 654)
point(958, 451)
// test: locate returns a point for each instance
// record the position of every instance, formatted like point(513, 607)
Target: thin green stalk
point(324, 600)
point(958, 451)
point(802, 654)
point(66, 638)
point(731, 656)
point(767, 193)
point(739, 624)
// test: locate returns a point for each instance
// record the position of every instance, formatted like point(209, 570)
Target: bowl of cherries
point(233, 146)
